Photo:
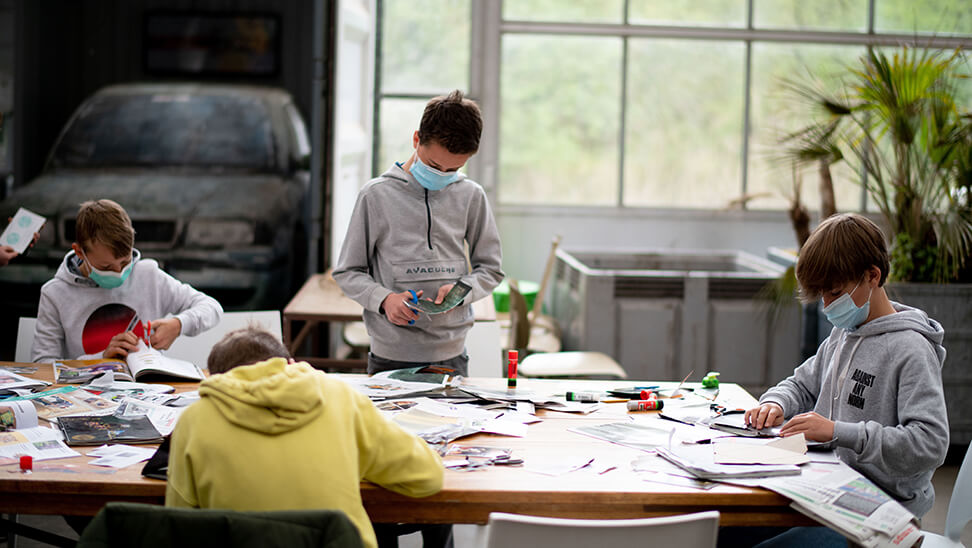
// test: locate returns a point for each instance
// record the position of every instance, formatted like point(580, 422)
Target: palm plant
point(898, 123)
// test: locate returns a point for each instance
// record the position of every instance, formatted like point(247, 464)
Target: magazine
point(66, 400)
point(145, 365)
point(100, 429)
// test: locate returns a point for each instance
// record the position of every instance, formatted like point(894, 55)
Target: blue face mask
point(108, 279)
point(845, 314)
point(431, 178)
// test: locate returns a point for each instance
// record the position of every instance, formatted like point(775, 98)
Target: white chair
point(25, 339)
point(686, 531)
point(959, 509)
point(196, 349)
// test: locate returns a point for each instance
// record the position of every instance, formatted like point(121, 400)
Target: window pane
point(574, 11)
point(815, 14)
point(775, 112)
point(722, 13)
point(926, 16)
point(559, 120)
point(399, 120)
point(684, 123)
point(425, 46)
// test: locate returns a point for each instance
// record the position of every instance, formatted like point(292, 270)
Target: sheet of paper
point(551, 465)
point(20, 232)
point(163, 418)
point(780, 451)
point(39, 442)
point(121, 456)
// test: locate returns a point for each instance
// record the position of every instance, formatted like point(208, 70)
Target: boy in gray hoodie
point(874, 388)
point(407, 232)
point(104, 296)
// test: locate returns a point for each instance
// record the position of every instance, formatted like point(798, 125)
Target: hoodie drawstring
point(428, 213)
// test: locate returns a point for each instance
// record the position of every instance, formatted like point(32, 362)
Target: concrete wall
point(6, 85)
point(67, 49)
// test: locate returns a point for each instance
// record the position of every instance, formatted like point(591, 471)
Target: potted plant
point(898, 124)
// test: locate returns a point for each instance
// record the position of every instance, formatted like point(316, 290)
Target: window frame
point(488, 28)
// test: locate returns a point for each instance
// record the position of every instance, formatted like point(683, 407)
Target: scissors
point(720, 410)
point(413, 300)
point(147, 334)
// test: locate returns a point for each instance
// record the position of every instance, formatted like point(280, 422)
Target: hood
point(270, 397)
point(69, 273)
point(156, 195)
point(906, 319)
point(398, 173)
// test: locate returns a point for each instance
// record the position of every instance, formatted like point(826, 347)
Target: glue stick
point(645, 405)
point(512, 358)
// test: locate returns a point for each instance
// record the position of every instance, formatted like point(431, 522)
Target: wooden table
point(320, 300)
point(467, 497)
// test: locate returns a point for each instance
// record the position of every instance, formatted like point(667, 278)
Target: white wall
point(526, 232)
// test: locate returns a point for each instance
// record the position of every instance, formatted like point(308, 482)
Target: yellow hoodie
point(283, 436)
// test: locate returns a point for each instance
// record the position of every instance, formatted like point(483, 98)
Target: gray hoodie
point(76, 318)
point(889, 408)
point(402, 236)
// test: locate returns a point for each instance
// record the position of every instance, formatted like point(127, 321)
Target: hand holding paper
point(22, 230)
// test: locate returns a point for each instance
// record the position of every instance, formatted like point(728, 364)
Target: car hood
point(159, 195)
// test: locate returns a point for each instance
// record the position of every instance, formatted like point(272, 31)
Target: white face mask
point(844, 312)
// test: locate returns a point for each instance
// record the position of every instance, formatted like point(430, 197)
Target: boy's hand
point(397, 310)
point(764, 416)
point(6, 254)
point(121, 344)
point(815, 427)
point(443, 291)
point(164, 332)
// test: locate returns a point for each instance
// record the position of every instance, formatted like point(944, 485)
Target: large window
point(637, 103)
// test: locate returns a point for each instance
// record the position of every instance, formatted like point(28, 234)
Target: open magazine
point(145, 365)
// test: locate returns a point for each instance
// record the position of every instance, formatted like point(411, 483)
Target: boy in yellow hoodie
point(282, 436)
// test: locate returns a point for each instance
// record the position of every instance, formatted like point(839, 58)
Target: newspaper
point(844, 500)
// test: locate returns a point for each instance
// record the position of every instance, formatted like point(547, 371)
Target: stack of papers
point(841, 498)
point(699, 460)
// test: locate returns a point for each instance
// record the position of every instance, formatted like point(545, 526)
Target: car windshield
point(177, 129)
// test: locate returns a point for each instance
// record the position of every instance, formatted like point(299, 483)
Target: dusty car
point(214, 178)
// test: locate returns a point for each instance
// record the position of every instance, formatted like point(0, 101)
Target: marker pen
point(512, 357)
point(585, 396)
point(645, 405)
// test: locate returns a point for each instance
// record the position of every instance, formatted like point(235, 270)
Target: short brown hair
point(244, 346)
point(841, 250)
point(453, 122)
point(107, 223)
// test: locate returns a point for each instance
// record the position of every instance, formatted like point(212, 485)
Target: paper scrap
point(20, 232)
point(789, 450)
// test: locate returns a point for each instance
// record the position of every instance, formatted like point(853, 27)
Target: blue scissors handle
point(414, 299)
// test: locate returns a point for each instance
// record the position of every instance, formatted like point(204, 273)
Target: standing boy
point(282, 436)
point(407, 232)
point(103, 297)
point(874, 388)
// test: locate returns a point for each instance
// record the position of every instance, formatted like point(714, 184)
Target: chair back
point(519, 319)
point(196, 349)
point(149, 525)
point(686, 531)
point(25, 339)
point(960, 506)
